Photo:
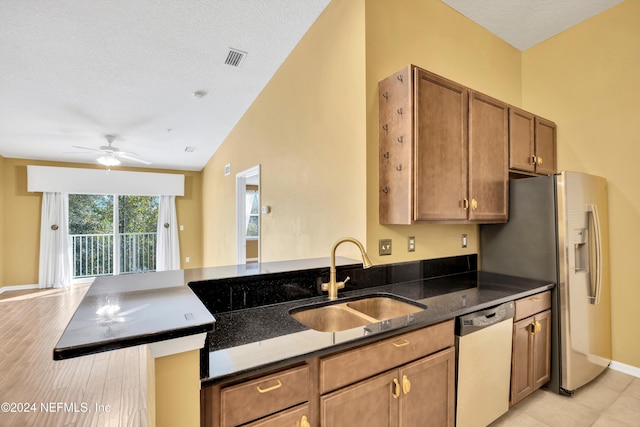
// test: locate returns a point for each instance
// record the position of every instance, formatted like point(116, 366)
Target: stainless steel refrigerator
point(558, 231)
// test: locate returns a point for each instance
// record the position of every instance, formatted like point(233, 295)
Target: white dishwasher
point(483, 358)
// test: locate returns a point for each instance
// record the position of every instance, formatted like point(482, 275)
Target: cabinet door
point(488, 158)
point(370, 403)
point(521, 360)
point(521, 140)
point(440, 148)
point(545, 146)
point(428, 391)
point(542, 350)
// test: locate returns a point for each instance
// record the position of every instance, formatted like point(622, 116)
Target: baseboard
point(17, 288)
point(626, 369)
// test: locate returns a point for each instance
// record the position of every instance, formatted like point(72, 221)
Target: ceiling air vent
point(189, 149)
point(235, 57)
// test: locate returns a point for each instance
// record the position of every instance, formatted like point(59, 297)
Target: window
point(253, 216)
point(112, 234)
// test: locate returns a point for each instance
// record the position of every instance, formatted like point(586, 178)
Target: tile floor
point(611, 400)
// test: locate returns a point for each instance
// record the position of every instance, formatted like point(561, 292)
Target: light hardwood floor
point(30, 325)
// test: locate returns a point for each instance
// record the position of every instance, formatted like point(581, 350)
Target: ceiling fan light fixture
point(108, 160)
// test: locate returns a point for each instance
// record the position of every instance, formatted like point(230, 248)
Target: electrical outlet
point(384, 247)
point(412, 244)
point(187, 259)
point(464, 240)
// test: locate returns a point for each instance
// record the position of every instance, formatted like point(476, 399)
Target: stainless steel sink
point(351, 314)
point(383, 308)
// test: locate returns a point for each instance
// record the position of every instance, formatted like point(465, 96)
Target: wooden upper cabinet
point(521, 140)
point(441, 148)
point(488, 159)
point(545, 146)
point(443, 151)
point(532, 143)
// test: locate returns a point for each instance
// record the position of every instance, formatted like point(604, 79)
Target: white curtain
point(167, 249)
point(55, 259)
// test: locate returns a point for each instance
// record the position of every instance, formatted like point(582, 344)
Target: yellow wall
point(20, 241)
point(307, 131)
point(431, 35)
point(586, 79)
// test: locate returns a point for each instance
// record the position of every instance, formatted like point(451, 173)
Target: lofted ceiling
point(525, 23)
point(73, 71)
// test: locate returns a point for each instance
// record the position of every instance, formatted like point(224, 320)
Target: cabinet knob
point(474, 204)
point(396, 388)
point(539, 161)
point(304, 422)
point(406, 384)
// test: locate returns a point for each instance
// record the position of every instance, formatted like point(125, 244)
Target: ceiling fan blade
point(86, 148)
point(132, 158)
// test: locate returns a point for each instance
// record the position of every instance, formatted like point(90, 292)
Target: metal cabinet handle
point(534, 159)
point(535, 327)
point(539, 161)
point(406, 384)
point(304, 422)
point(268, 389)
point(396, 388)
point(474, 204)
point(400, 343)
point(465, 203)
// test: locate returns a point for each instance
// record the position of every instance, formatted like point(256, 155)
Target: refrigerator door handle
point(592, 209)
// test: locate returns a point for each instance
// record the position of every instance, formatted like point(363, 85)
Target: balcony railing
point(92, 254)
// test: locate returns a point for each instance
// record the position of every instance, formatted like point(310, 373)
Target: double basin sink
point(347, 314)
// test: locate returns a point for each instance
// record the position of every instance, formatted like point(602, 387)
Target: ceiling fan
point(110, 155)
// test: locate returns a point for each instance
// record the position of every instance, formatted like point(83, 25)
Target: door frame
point(241, 221)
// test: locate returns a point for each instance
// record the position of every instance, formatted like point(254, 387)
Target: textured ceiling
point(525, 23)
point(72, 71)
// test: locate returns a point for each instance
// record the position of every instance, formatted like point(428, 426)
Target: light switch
point(181, 227)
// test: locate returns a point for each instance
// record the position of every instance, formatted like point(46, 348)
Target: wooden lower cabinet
point(404, 380)
point(417, 394)
point(530, 364)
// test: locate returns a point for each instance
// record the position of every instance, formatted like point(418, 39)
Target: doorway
point(248, 216)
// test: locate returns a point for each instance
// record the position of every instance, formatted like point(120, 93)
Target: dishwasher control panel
point(481, 319)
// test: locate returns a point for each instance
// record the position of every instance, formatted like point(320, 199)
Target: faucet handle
point(340, 285)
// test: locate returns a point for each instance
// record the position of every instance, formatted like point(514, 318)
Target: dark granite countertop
point(257, 339)
point(133, 309)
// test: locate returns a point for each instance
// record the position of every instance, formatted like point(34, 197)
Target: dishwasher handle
point(475, 321)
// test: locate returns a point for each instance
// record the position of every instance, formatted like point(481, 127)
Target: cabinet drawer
point(531, 305)
point(294, 417)
point(263, 396)
point(350, 366)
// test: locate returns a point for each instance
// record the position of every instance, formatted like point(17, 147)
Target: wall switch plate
point(384, 247)
point(187, 259)
point(412, 244)
point(464, 240)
